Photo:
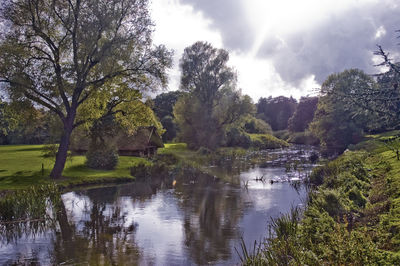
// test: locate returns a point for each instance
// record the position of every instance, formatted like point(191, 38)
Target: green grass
point(21, 167)
point(352, 215)
point(267, 141)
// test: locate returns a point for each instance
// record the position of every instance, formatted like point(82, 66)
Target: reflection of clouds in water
point(198, 222)
point(266, 200)
point(78, 207)
point(26, 250)
point(160, 232)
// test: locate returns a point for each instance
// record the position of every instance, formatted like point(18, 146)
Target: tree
point(337, 123)
point(276, 111)
point(164, 103)
point(163, 107)
point(22, 123)
point(303, 115)
point(61, 54)
point(380, 102)
point(212, 101)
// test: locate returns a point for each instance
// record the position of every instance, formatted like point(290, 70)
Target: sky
point(281, 47)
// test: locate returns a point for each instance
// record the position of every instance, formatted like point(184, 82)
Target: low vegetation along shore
point(352, 215)
point(25, 165)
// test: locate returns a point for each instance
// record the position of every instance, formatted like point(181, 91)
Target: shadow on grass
point(29, 149)
point(24, 179)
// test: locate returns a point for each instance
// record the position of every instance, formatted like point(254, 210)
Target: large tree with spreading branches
point(63, 55)
point(211, 99)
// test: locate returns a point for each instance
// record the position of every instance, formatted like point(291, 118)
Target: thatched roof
point(144, 138)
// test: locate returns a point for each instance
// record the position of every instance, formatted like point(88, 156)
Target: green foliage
point(120, 106)
point(103, 157)
point(170, 127)
point(22, 123)
point(303, 115)
point(96, 63)
point(21, 167)
point(164, 103)
point(276, 111)
point(393, 144)
point(266, 141)
point(237, 138)
point(346, 221)
point(254, 125)
point(306, 138)
point(49, 151)
point(29, 203)
point(336, 123)
point(282, 134)
point(27, 211)
point(383, 100)
point(212, 101)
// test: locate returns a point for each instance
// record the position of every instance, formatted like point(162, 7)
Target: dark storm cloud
point(228, 17)
point(341, 42)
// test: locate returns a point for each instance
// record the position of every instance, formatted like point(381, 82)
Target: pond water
point(192, 221)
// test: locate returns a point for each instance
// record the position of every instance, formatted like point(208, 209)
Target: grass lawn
point(21, 166)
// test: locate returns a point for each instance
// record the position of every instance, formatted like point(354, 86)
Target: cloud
point(314, 38)
point(341, 42)
point(179, 26)
point(229, 17)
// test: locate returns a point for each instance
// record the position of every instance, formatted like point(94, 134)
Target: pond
point(168, 221)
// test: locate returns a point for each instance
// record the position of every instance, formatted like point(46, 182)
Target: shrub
point(303, 138)
point(237, 138)
point(317, 176)
point(169, 159)
point(332, 204)
point(282, 134)
point(266, 141)
point(104, 158)
point(357, 197)
point(204, 151)
point(147, 170)
point(254, 125)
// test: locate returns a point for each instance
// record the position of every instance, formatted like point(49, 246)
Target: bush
point(204, 151)
point(237, 138)
point(254, 125)
point(282, 134)
point(147, 170)
point(357, 197)
point(303, 138)
point(169, 159)
point(104, 158)
point(317, 176)
point(266, 141)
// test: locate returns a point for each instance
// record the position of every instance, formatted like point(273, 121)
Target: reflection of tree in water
point(104, 238)
point(211, 214)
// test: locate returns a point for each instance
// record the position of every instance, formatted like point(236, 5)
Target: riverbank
point(352, 215)
point(22, 166)
point(179, 204)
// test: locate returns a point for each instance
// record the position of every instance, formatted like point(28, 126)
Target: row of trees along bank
point(86, 63)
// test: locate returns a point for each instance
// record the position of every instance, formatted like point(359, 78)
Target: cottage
point(144, 142)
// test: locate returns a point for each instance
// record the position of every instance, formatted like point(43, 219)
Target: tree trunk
point(62, 218)
point(62, 152)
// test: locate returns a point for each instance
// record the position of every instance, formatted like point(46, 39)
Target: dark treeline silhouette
point(276, 111)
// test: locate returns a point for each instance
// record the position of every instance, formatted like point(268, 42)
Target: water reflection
point(161, 221)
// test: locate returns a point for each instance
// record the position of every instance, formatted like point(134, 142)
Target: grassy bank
point(352, 215)
point(21, 167)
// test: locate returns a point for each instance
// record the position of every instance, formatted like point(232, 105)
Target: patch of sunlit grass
point(21, 167)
